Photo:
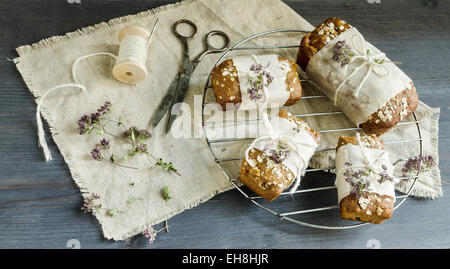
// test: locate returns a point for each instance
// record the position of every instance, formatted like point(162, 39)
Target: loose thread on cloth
point(41, 133)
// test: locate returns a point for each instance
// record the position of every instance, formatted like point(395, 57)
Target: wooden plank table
point(40, 204)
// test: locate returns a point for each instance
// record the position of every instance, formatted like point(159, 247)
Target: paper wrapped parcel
point(276, 89)
point(298, 141)
point(359, 160)
point(364, 85)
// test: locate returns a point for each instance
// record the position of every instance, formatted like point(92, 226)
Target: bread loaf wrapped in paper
point(366, 85)
point(243, 81)
point(273, 161)
point(364, 179)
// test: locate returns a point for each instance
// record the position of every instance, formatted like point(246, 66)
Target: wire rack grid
point(400, 199)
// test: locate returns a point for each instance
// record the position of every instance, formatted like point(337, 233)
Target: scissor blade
point(166, 103)
point(182, 88)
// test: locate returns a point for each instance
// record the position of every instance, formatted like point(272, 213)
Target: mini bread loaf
point(389, 110)
point(265, 173)
point(373, 203)
point(227, 82)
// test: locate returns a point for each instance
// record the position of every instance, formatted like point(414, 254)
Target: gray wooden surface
point(40, 204)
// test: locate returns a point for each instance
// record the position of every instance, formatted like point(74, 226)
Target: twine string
point(367, 60)
point(41, 134)
point(273, 65)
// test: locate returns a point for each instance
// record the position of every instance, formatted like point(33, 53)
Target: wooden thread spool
point(130, 64)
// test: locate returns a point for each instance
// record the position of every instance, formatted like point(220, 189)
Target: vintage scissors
point(179, 85)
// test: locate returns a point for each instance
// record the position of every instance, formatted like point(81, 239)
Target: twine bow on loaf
point(273, 65)
point(372, 62)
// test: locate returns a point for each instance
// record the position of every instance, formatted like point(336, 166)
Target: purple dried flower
point(88, 204)
point(85, 118)
point(278, 153)
point(130, 132)
point(268, 76)
point(357, 180)
point(142, 148)
point(254, 94)
point(105, 108)
point(96, 153)
point(256, 68)
point(257, 82)
point(83, 124)
point(144, 134)
point(104, 143)
point(137, 135)
point(384, 175)
point(95, 117)
point(417, 164)
point(342, 53)
point(150, 234)
point(87, 122)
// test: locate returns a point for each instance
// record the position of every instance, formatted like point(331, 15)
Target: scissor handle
point(181, 36)
point(210, 48)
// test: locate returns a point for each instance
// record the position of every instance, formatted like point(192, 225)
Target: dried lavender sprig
point(417, 164)
point(150, 234)
point(96, 153)
point(88, 204)
point(278, 153)
point(87, 123)
point(357, 180)
point(104, 143)
point(256, 68)
point(257, 82)
point(133, 136)
point(342, 53)
point(384, 175)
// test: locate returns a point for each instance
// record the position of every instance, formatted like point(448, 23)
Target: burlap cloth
point(47, 63)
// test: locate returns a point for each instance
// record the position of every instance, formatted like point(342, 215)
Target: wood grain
point(40, 204)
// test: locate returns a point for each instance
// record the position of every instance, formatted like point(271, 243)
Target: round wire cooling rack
point(254, 199)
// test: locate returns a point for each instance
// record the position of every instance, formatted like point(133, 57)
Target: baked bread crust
point(381, 208)
point(267, 178)
point(400, 106)
point(397, 108)
point(312, 42)
point(369, 207)
point(225, 81)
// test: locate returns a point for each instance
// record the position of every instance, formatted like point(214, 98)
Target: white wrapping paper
point(353, 153)
point(297, 160)
point(277, 94)
point(375, 91)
